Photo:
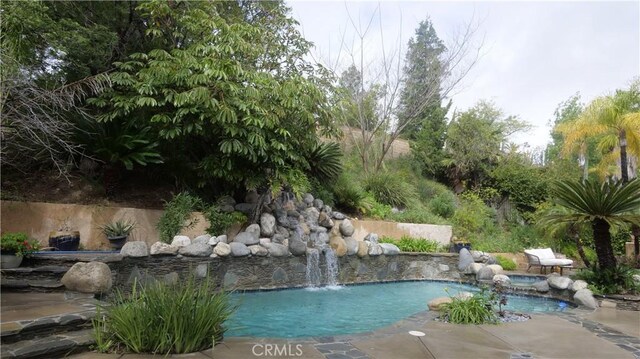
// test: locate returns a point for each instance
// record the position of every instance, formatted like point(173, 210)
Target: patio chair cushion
point(546, 257)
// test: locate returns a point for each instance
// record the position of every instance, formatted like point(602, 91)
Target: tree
point(218, 104)
point(602, 205)
point(469, 160)
point(447, 65)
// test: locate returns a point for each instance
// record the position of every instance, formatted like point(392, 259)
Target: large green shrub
point(176, 215)
point(389, 188)
point(220, 221)
point(348, 194)
point(443, 205)
point(472, 216)
point(163, 318)
point(617, 280)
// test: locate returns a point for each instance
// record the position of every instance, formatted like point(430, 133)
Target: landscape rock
point(375, 249)
point(363, 249)
point(541, 286)
point(496, 268)
point(346, 228)
point(352, 245)
point(267, 225)
point(559, 282)
point(181, 241)
point(277, 250)
point(239, 249)
point(297, 247)
point(246, 238)
point(578, 284)
point(202, 270)
point(325, 220)
point(636, 278)
point(327, 209)
point(464, 259)
point(438, 304)
point(389, 249)
point(202, 239)
point(91, 277)
point(323, 237)
point(257, 250)
point(339, 245)
point(160, 248)
point(585, 297)
point(371, 237)
point(196, 250)
point(252, 197)
point(222, 239)
point(226, 200)
point(318, 203)
point(213, 241)
point(312, 214)
point(245, 208)
point(135, 249)
point(308, 198)
point(475, 267)
point(338, 215)
point(254, 229)
point(485, 273)
point(264, 241)
point(501, 279)
point(222, 249)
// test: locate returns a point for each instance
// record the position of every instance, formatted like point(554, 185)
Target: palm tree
point(602, 205)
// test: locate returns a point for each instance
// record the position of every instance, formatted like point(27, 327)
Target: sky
point(532, 55)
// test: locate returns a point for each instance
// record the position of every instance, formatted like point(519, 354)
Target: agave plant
point(602, 205)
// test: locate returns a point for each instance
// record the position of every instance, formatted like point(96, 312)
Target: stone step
point(51, 272)
point(21, 330)
point(53, 346)
point(31, 285)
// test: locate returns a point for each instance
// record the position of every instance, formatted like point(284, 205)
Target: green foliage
point(475, 310)
point(616, 280)
point(323, 191)
point(410, 244)
point(516, 177)
point(18, 243)
point(162, 318)
point(389, 188)
point(443, 205)
point(348, 194)
point(418, 214)
point(118, 228)
point(325, 161)
point(472, 216)
point(506, 263)
point(176, 214)
point(220, 221)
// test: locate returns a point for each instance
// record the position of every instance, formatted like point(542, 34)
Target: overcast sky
point(534, 54)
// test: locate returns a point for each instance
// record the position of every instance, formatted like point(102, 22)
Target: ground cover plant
point(163, 318)
point(410, 244)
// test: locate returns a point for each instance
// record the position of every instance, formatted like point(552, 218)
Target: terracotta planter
point(9, 261)
point(64, 241)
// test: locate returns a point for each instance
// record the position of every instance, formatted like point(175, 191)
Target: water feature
point(293, 313)
point(314, 273)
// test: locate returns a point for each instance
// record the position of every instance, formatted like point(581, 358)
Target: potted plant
point(64, 239)
point(117, 232)
point(458, 244)
point(14, 247)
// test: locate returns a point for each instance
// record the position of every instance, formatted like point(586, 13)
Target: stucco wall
point(37, 219)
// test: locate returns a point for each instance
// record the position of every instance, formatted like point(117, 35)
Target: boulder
point(371, 237)
point(202, 239)
point(246, 238)
point(257, 250)
point(438, 304)
point(305, 228)
point(277, 250)
point(501, 279)
point(375, 249)
point(327, 209)
point(135, 249)
point(160, 249)
point(363, 249)
point(318, 203)
point(464, 259)
point(226, 200)
point(585, 298)
point(239, 249)
point(325, 220)
point(254, 230)
point(267, 225)
point(475, 267)
point(278, 238)
point(323, 237)
point(389, 249)
point(352, 245)
point(485, 273)
point(181, 241)
point(312, 214)
point(338, 215)
point(222, 239)
point(222, 249)
point(245, 208)
point(477, 255)
point(213, 241)
point(196, 250)
point(297, 247)
point(579, 284)
point(339, 245)
point(252, 196)
point(346, 228)
point(264, 241)
point(91, 277)
point(496, 268)
point(541, 286)
point(559, 282)
point(308, 198)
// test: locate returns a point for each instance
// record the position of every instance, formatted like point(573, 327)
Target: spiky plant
point(324, 161)
point(602, 205)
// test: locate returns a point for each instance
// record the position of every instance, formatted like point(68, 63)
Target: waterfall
point(314, 276)
point(332, 267)
point(314, 273)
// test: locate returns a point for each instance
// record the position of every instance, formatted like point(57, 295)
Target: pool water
point(353, 309)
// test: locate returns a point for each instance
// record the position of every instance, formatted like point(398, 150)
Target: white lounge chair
point(544, 257)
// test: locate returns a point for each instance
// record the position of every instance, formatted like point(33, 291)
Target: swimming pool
point(294, 313)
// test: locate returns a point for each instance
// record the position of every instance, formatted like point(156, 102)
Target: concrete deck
point(604, 333)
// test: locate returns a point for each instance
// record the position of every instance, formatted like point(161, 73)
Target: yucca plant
point(324, 161)
point(602, 205)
